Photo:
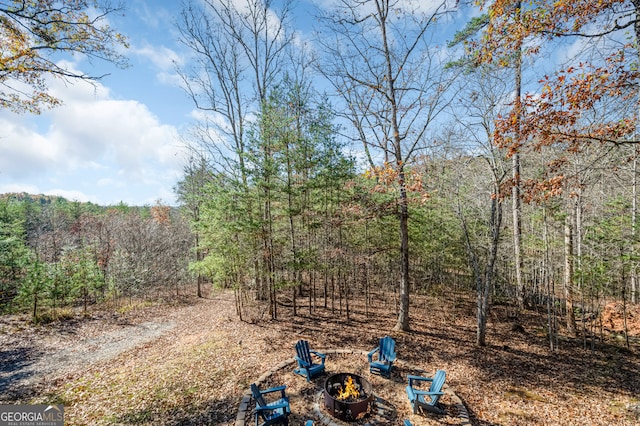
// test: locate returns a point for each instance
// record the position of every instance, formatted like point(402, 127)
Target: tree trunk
point(199, 257)
point(568, 276)
point(517, 231)
point(35, 307)
point(403, 311)
point(484, 280)
point(483, 311)
point(624, 317)
point(496, 222)
point(515, 189)
point(634, 212)
point(547, 278)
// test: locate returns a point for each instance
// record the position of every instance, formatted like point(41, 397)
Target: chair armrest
point(421, 392)
point(276, 389)
point(270, 407)
point(418, 379)
point(370, 354)
point(319, 355)
point(302, 362)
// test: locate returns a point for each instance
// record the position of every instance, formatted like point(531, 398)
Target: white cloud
point(160, 56)
point(123, 131)
point(411, 6)
point(76, 90)
point(90, 144)
point(170, 79)
point(108, 182)
point(163, 61)
point(72, 195)
point(18, 187)
point(154, 17)
point(23, 150)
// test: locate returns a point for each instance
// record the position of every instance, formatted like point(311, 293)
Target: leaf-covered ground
point(190, 363)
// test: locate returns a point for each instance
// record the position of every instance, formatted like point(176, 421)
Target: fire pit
point(347, 396)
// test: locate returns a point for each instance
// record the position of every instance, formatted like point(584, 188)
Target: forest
point(380, 161)
point(413, 170)
point(59, 254)
point(311, 175)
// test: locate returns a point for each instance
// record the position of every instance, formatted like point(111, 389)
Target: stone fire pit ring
point(244, 418)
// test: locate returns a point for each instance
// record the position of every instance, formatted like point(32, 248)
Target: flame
point(349, 390)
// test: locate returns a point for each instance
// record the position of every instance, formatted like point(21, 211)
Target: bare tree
point(240, 53)
point(238, 48)
point(378, 57)
point(487, 92)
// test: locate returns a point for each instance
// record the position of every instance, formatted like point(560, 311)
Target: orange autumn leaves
point(389, 178)
point(592, 101)
point(35, 36)
point(554, 115)
point(512, 22)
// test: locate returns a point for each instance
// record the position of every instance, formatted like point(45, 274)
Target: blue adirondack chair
point(306, 365)
point(273, 412)
point(383, 363)
point(426, 399)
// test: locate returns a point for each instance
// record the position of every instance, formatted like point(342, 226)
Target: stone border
point(244, 409)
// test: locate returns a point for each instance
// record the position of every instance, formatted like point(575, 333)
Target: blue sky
point(117, 141)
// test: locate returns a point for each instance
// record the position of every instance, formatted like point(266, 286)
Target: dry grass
point(197, 371)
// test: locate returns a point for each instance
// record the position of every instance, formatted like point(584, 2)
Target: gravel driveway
point(33, 357)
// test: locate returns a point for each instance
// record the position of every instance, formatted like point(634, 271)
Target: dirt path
point(33, 357)
point(190, 364)
point(25, 366)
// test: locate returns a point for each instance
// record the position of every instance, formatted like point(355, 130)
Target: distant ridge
point(39, 199)
point(43, 200)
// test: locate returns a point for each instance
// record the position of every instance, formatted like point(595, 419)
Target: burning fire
point(349, 390)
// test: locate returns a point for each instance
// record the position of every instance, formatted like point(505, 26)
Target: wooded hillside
point(459, 179)
point(416, 171)
point(371, 160)
point(56, 255)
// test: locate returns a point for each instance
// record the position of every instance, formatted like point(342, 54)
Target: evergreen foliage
point(56, 254)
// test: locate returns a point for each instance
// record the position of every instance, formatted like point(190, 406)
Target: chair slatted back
point(438, 381)
point(302, 350)
point(257, 396)
point(387, 349)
